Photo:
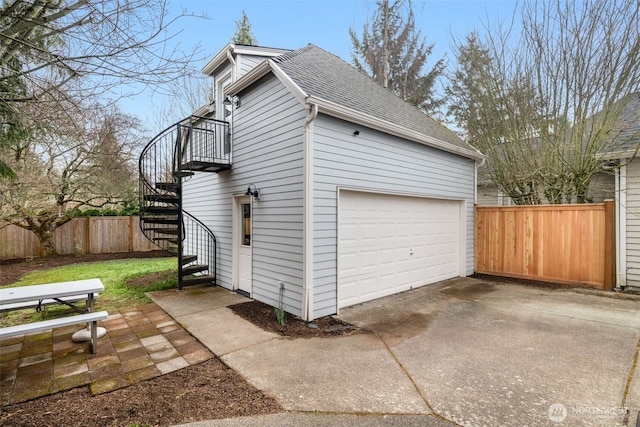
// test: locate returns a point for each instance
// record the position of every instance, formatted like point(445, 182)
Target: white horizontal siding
point(633, 223)
point(247, 62)
point(376, 161)
point(213, 208)
point(267, 152)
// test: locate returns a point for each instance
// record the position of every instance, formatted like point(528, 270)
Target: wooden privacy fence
point(95, 235)
point(556, 243)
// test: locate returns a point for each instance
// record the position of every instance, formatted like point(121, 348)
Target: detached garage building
point(359, 194)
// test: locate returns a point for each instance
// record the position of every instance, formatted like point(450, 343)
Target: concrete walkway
point(461, 352)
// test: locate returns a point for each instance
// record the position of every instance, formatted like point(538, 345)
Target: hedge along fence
point(85, 235)
point(557, 243)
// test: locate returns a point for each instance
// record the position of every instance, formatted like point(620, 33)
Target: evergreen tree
point(467, 89)
point(395, 54)
point(243, 34)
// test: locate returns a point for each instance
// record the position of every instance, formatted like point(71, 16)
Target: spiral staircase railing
point(195, 144)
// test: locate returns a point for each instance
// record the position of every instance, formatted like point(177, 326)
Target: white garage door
point(388, 244)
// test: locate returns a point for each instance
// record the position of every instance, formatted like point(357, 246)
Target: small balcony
point(202, 145)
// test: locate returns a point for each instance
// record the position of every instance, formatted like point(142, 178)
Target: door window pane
point(246, 224)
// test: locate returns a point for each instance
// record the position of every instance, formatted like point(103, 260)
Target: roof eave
point(204, 110)
point(619, 154)
point(217, 60)
point(259, 50)
point(232, 48)
point(354, 116)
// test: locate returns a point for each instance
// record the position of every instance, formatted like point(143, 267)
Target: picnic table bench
point(25, 296)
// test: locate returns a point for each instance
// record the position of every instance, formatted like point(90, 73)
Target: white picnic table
point(52, 290)
point(60, 290)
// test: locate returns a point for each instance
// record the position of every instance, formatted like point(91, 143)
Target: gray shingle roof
point(324, 75)
point(627, 129)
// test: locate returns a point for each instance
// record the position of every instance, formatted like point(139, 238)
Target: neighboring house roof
point(483, 177)
point(626, 131)
point(318, 77)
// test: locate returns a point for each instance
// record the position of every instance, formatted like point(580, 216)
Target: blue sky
point(295, 23)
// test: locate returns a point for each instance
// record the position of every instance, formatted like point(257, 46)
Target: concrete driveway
point(491, 354)
point(461, 352)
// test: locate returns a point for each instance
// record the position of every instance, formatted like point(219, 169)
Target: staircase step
point(163, 210)
point(186, 259)
point(192, 269)
point(198, 280)
point(182, 174)
point(164, 198)
point(168, 186)
point(160, 220)
point(171, 240)
point(163, 230)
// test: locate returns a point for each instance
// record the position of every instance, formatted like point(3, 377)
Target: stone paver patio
point(141, 343)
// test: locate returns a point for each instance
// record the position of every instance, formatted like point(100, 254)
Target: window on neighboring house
point(503, 199)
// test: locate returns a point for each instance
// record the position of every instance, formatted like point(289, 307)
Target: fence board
point(97, 235)
point(16, 243)
point(557, 243)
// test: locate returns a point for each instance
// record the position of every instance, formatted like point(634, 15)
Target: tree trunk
point(385, 46)
point(47, 244)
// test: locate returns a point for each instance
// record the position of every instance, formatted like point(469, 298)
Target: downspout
point(621, 227)
point(307, 218)
point(478, 165)
point(234, 69)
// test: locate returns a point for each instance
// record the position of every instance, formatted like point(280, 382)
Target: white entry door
point(389, 244)
point(244, 244)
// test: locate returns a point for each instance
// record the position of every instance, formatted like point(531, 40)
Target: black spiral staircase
point(195, 144)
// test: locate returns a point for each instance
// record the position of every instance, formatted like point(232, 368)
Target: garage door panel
point(349, 233)
point(349, 264)
point(348, 290)
point(400, 242)
point(367, 287)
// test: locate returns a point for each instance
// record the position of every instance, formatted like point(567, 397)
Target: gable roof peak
point(232, 49)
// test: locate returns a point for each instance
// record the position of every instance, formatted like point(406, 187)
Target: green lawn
point(114, 275)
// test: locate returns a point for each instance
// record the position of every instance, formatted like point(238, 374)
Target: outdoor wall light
point(228, 101)
point(356, 133)
point(252, 191)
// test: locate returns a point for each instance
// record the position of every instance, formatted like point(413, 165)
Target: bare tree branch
point(547, 105)
point(81, 156)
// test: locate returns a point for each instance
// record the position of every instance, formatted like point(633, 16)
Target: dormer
point(231, 63)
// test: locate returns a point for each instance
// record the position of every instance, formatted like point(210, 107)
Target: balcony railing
point(203, 144)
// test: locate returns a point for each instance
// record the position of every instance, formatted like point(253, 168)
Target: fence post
point(609, 245)
point(87, 235)
point(130, 233)
point(476, 254)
